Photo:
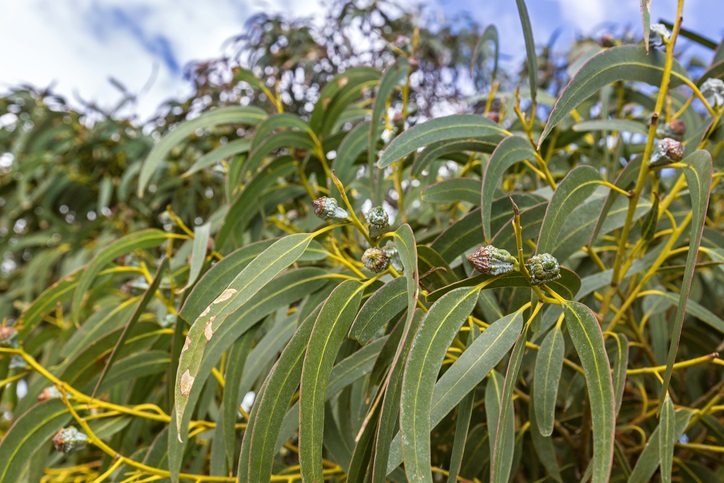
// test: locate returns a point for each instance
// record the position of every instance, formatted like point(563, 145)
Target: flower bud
point(50, 392)
point(67, 440)
point(8, 337)
point(378, 222)
point(328, 209)
point(543, 268)
point(713, 91)
point(492, 261)
point(661, 30)
point(667, 151)
point(394, 256)
point(676, 128)
point(375, 259)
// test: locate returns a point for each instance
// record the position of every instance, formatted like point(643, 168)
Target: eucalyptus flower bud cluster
point(375, 259)
point(8, 337)
point(67, 440)
point(713, 91)
point(676, 130)
point(328, 209)
point(378, 221)
point(543, 268)
point(493, 261)
point(667, 151)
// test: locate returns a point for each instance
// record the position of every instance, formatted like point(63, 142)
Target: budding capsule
point(378, 221)
point(713, 91)
point(667, 151)
point(67, 440)
point(328, 209)
point(8, 337)
point(493, 261)
point(394, 256)
point(543, 268)
point(375, 259)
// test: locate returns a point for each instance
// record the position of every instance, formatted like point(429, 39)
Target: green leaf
point(649, 459)
point(489, 34)
point(667, 438)
point(380, 308)
point(460, 126)
point(619, 368)
point(279, 121)
point(575, 188)
point(246, 284)
point(350, 149)
point(141, 239)
point(531, 56)
point(620, 125)
point(627, 62)
point(543, 445)
point(465, 412)
point(198, 252)
point(502, 460)
point(279, 140)
point(30, 432)
point(442, 149)
point(235, 367)
point(233, 148)
point(249, 115)
point(548, 368)
point(698, 177)
point(265, 421)
point(136, 366)
point(493, 400)
point(453, 191)
point(328, 334)
point(149, 295)
point(510, 151)
point(57, 293)
point(394, 74)
point(436, 333)
point(588, 340)
point(646, 21)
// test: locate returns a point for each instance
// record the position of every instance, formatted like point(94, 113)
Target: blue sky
point(77, 45)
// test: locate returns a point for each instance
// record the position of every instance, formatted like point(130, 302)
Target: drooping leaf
point(379, 309)
point(453, 191)
point(531, 56)
point(436, 332)
point(510, 151)
point(247, 115)
point(578, 185)
point(548, 367)
point(698, 177)
point(649, 458)
point(244, 286)
point(327, 335)
point(233, 148)
point(198, 252)
point(28, 433)
point(627, 62)
point(588, 340)
point(461, 126)
point(667, 438)
point(646, 21)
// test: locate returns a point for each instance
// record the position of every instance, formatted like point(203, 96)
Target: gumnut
point(543, 268)
point(375, 259)
point(667, 151)
point(713, 91)
point(493, 261)
point(67, 440)
point(8, 337)
point(50, 392)
point(394, 256)
point(378, 221)
point(328, 209)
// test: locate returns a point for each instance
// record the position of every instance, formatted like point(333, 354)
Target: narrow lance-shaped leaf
point(503, 445)
point(442, 128)
point(198, 252)
point(646, 21)
point(225, 115)
point(435, 335)
point(588, 340)
point(329, 330)
point(134, 241)
point(489, 34)
point(28, 433)
point(575, 188)
point(698, 177)
point(392, 77)
point(531, 56)
point(649, 458)
point(255, 276)
point(548, 367)
point(510, 151)
point(667, 438)
point(627, 62)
